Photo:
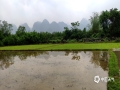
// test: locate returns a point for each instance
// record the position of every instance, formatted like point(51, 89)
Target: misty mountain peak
point(14, 28)
point(26, 26)
point(53, 22)
point(61, 23)
point(83, 23)
point(52, 27)
point(45, 21)
point(37, 22)
point(84, 20)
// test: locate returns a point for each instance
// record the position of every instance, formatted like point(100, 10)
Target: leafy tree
point(67, 33)
point(5, 29)
point(56, 35)
point(105, 22)
point(75, 31)
point(110, 22)
point(115, 22)
point(75, 25)
point(95, 24)
point(84, 33)
point(21, 30)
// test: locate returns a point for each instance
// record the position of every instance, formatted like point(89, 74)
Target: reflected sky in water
point(98, 58)
point(45, 70)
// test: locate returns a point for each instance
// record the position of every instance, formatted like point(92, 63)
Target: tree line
point(105, 26)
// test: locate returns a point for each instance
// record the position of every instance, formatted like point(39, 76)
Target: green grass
point(113, 72)
point(27, 47)
point(68, 46)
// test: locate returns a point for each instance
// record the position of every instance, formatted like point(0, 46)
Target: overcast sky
point(30, 11)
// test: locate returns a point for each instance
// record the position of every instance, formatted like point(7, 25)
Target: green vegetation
point(113, 72)
point(103, 28)
point(110, 22)
point(68, 46)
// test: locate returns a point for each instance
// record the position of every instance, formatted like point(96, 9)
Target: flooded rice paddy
point(52, 70)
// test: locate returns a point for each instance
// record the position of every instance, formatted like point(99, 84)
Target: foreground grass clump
point(113, 72)
point(67, 46)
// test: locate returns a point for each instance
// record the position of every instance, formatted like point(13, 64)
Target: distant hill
point(49, 27)
point(45, 26)
point(62, 25)
point(83, 24)
point(36, 26)
point(14, 29)
point(26, 26)
point(55, 27)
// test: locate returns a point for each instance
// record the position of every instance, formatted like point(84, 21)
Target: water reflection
point(74, 54)
point(45, 70)
point(7, 57)
point(98, 58)
point(25, 54)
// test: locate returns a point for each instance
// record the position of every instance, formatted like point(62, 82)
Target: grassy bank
point(113, 72)
point(68, 46)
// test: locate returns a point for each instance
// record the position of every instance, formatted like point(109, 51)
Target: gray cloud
point(30, 11)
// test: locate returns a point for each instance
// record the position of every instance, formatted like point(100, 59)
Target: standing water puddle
point(52, 70)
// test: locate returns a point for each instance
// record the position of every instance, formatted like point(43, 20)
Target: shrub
point(1, 43)
point(71, 41)
point(117, 40)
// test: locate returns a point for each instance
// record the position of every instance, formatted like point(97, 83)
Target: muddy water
point(63, 70)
